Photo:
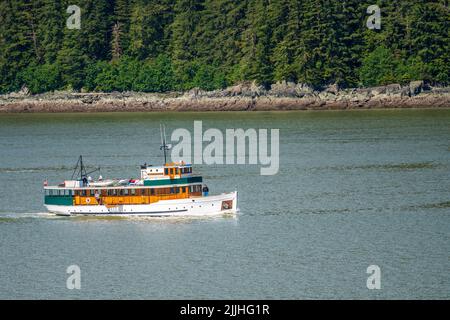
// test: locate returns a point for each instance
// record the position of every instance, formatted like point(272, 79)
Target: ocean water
point(354, 189)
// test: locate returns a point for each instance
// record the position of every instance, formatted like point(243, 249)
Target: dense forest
point(167, 45)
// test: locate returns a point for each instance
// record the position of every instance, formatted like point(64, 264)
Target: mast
point(80, 170)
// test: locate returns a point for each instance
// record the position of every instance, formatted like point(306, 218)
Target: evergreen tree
point(96, 28)
point(255, 62)
point(287, 37)
point(148, 28)
point(72, 59)
point(430, 39)
point(121, 27)
point(50, 29)
point(17, 46)
point(183, 31)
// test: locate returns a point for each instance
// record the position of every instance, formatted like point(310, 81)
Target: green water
point(354, 189)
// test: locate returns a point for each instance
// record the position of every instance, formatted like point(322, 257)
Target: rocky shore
point(242, 97)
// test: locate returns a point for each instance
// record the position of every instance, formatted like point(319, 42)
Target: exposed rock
point(283, 89)
point(333, 89)
point(244, 96)
point(246, 89)
point(194, 93)
point(24, 91)
point(304, 90)
point(415, 87)
point(387, 90)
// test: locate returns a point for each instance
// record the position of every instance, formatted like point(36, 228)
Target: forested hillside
point(165, 45)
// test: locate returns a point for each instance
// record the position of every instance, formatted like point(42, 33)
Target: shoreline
point(243, 97)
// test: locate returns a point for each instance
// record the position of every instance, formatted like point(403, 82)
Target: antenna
point(164, 145)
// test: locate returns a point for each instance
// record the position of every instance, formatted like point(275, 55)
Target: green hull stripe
point(173, 181)
point(59, 200)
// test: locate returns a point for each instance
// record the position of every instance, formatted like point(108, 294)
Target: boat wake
point(24, 216)
point(16, 216)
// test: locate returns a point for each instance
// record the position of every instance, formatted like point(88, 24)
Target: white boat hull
point(199, 206)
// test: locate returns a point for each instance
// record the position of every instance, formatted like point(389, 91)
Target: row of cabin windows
point(58, 193)
point(126, 192)
point(173, 171)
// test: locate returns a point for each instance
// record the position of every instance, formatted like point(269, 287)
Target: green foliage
point(41, 78)
point(382, 67)
point(156, 76)
point(72, 60)
point(379, 67)
point(165, 45)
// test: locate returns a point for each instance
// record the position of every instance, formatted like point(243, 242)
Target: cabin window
point(166, 171)
point(126, 192)
point(83, 193)
point(133, 192)
point(152, 192)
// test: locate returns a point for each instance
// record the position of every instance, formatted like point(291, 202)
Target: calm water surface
point(354, 189)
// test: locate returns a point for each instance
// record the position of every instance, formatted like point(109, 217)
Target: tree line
point(168, 45)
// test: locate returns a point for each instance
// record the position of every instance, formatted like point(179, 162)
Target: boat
point(171, 189)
